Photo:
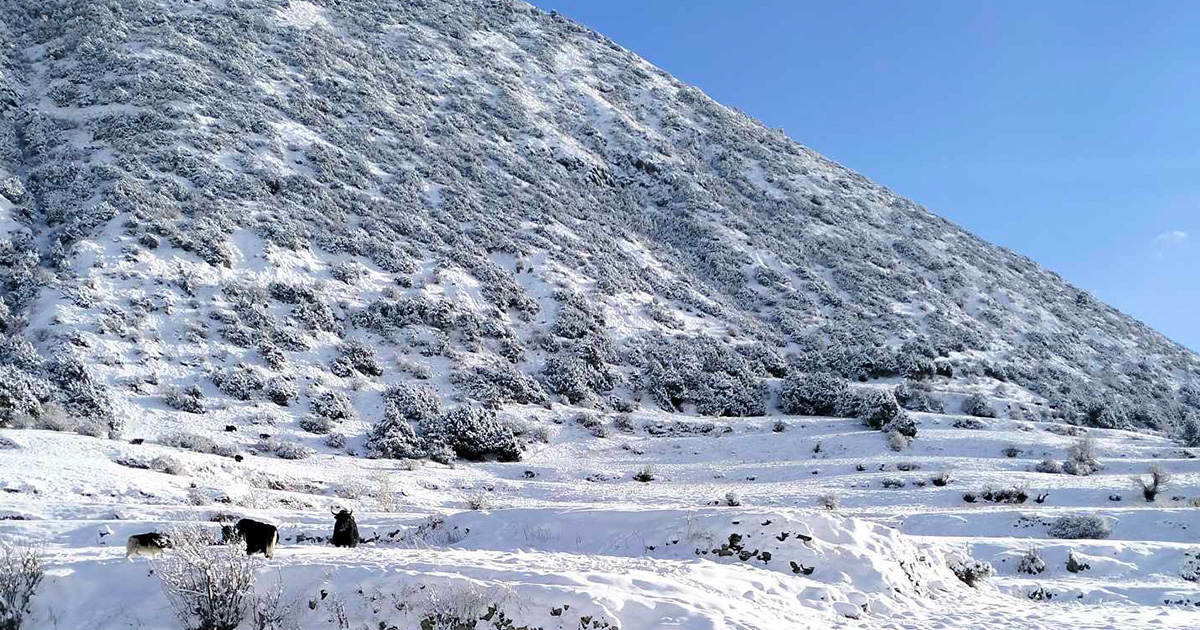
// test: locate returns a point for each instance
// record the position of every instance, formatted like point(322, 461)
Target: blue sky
point(1068, 131)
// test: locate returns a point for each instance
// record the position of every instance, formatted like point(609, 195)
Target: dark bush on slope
point(816, 394)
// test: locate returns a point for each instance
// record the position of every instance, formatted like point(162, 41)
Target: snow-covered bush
point(912, 398)
point(828, 501)
point(357, 356)
point(877, 408)
point(1049, 466)
point(282, 391)
point(349, 272)
point(187, 399)
point(1081, 458)
point(335, 440)
point(1190, 568)
point(21, 573)
point(970, 571)
point(904, 424)
point(331, 404)
point(645, 474)
point(979, 406)
point(197, 444)
point(1031, 563)
point(407, 410)
point(699, 371)
point(292, 450)
point(168, 465)
point(499, 383)
point(241, 382)
point(20, 395)
point(82, 396)
point(1080, 526)
point(319, 425)
point(209, 586)
point(897, 441)
point(1159, 480)
point(474, 433)
point(270, 610)
point(813, 394)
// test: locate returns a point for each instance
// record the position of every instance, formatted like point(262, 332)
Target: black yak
point(260, 537)
point(345, 530)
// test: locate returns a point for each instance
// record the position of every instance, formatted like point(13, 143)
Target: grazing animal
point(150, 545)
point(260, 537)
point(345, 530)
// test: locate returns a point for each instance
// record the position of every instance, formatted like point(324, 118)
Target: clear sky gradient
point(1068, 131)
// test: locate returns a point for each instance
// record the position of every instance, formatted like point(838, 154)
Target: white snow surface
point(577, 533)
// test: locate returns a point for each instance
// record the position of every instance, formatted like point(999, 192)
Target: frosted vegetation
point(231, 199)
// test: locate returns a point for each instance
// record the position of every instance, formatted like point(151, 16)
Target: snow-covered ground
point(568, 534)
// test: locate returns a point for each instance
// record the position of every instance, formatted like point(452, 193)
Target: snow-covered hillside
point(258, 257)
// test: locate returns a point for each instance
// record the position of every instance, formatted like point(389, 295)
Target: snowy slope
point(262, 257)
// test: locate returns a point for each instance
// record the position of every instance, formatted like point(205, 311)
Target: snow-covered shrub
point(407, 409)
point(282, 391)
point(21, 573)
point(733, 499)
point(209, 586)
point(349, 272)
point(913, 398)
point(877, 408)
point(479, 501)
point(699, 371)
point(813, 394)
point(292, 450)
point(644, 475)
point(1080, 526)
point(1049, 466)
point(331, 404)
point(577, 317)
point(319, 425)
point(1159, 480)
point(1081, 458)
point(969, 423)
point(593, 423)
point(1189, 431)
point(1075, 564)
point(979, 406)
point(970, 571)
point(335, 440)
point(474, 433)
point(1031, 563)
point(197, 444)
point(187, 399)
point(80, 395)
point(271, 611)
point(892, 482)
point(168, 465)
point(240, 382)
point(941, 479)
point(499, 383)
point(21, 396)
point(903, 424)
point(1190, 568)
point(897, 441)
point(828, 501)
point(359, 357)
